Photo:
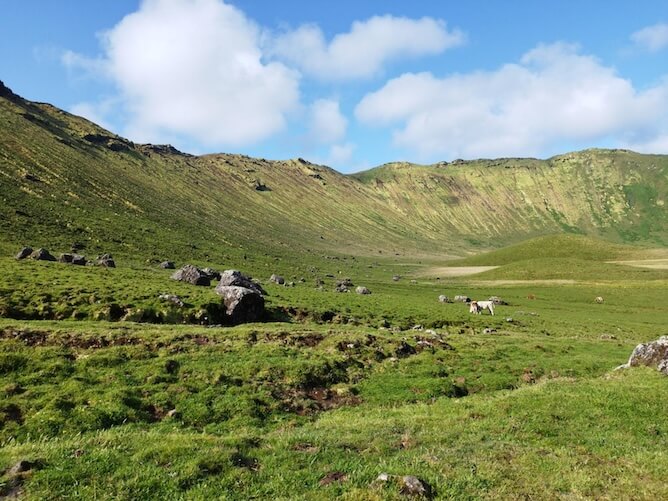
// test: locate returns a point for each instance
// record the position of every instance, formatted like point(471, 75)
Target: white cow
point(476, 307)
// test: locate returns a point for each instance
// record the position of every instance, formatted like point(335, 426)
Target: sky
point(351, 84)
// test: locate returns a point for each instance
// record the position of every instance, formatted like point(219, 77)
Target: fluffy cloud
point(194, 68)
point(327, 124)
point(652, 38)
point(553, 96)
point(362, 51)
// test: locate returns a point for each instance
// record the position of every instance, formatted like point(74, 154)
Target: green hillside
point(66, 180)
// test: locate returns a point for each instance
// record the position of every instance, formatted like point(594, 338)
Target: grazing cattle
point(531, 296)
point(476, 307)
point(599, 299)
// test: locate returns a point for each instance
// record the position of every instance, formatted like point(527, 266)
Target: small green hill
point(552, 246)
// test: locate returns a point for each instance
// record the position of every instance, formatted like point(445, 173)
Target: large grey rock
point(192, 275)
point(235, 278)
point(652, 354)
point(241, 304)
point(24, 253)
point(42, 255)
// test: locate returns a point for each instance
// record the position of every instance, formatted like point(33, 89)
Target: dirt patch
point(453, 271)
point(652, 264)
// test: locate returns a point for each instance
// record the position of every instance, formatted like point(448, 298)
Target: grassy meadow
point(113, 394)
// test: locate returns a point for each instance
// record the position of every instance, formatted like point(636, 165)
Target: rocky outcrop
point(652, 354)
point(192, 275)
point(241, 304)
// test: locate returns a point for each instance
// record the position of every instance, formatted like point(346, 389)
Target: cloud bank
point(194, 67)
point(365, 49)
point(554, 95)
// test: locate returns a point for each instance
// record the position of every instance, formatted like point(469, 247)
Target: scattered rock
point(79, 260)
point(418, 327)
point(413, 282)
point(413, 486)
point(652, 354)
point(241, 304)
point(444, 299)
point(609, 337)
point(599, 300)
point(405, 350)
point(509, 320)
point(462, 299)
point(211, 273)
point(167, 265)
point(396, 278)
point(277, 279)
point(345, 282)
point(497, 301)
point(235, 278)
point(106, 260)
point(65, 258)
point(192, 275)
point(489, 330)
point(341, 288)
point(24, 253)
point(42, 255)
point(383, 477)
point(362, 290)
point(172, 299)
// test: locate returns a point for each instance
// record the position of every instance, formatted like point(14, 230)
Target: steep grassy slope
point(616, 194)
point(65, 180)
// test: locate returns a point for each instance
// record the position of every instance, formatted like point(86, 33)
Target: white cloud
point(194, 68)
point(327, 124)
point(652, 38)
point(362, 52)
point(554, 95)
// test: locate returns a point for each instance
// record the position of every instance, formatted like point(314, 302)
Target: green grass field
point(336, 389)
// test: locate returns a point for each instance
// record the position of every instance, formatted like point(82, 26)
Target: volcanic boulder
point(241, 304)
point(192, 275)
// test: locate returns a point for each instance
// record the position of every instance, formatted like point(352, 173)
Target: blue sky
point(351, 84)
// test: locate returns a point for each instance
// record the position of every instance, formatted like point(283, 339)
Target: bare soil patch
point(453, 271)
